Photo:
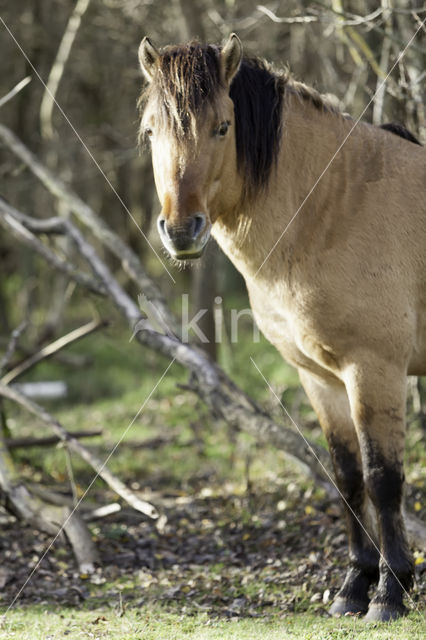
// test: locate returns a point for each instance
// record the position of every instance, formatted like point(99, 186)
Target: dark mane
point(399, 130)
point(257, 93)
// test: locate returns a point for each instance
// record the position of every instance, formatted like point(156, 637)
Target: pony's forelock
point(187, 79)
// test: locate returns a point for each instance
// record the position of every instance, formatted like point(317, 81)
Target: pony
point(325, 219)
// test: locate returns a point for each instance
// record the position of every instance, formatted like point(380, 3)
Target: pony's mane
point(188, 78)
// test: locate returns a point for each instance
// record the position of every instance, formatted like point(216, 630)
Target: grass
point(154, 623)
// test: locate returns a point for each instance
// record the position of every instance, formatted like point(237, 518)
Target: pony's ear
point(148, 58)
point(230, 57)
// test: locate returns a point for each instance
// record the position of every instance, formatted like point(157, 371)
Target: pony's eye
point(148, 132)
point(223, 128)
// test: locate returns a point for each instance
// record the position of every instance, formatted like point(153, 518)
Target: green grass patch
point(155, 623)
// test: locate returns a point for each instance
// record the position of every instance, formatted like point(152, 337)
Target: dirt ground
point(231, 554)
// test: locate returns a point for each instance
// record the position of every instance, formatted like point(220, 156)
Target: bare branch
point(54, 347)
point(58, 67)
point(291, 20)
point(10, 349)
point(16, 89)
point(9, 219)
point(350, 19)
point(73, 444)
point(24, 443)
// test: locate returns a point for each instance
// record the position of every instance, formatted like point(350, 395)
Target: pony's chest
point(294, 336)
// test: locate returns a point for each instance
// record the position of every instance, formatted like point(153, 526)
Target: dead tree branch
point(16, 89)
point(58, 67)
point(73, 444)
point(10, 222)
point(49, 441)
point(45, 516)
point(53, 348)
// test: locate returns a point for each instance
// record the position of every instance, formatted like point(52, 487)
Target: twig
point(16, 89)
point(291, 20)
point(10, 349)
point(54, 347)
point(58, 67)
point(362, 22)
point(102, 512)
point(27, 443)
point(46, 226)
point(73, 444)
point(9, 221)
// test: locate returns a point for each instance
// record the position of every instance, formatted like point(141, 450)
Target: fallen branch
point(10, 222)
point(87, 513)
point(73, 444)
point(49, 441)
point(80, 540)
point(51, 349)
point(102, 512)
point(50, 518)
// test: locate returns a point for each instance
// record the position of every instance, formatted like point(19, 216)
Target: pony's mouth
point(189, 253)
point(182, 245)
point(183, 255)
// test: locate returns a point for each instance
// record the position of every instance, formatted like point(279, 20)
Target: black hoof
point(343, 607)
point(383, 613)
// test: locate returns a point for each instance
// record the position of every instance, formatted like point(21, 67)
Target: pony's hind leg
point(377, 396)
point(331, 405)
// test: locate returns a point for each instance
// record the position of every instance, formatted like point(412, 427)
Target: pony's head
point(189, 118)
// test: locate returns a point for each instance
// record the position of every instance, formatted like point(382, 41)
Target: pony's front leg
point(377, 391)
point(331, 405)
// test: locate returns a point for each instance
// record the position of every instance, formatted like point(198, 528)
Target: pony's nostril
point(198, 224)
point(162, 226)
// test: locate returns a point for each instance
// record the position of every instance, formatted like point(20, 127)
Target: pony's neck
point(310, 137)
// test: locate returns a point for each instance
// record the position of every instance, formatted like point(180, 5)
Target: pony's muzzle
point(185, 240)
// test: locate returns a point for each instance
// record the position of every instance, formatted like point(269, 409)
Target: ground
point(251, 547)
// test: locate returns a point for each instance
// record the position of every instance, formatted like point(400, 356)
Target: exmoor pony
point(335, 267)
